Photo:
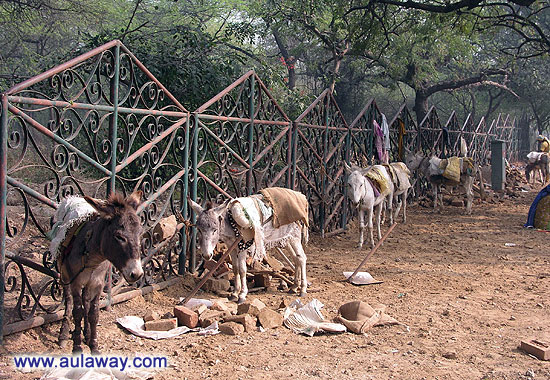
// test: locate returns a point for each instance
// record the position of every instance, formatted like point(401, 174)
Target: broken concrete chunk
point(217, 285)
point(262, 280)
point(165, 228)
point(219, 306)
point(186, 317)
point(251, 307)
point(247, 320)
point(211, 316)
point(151, 315)
point(231, 328)
point(161, 324)
point(199, 309)
point(270, 319)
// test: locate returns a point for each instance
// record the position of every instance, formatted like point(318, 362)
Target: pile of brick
point(232, 319)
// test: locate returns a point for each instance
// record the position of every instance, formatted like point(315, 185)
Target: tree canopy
point(467, 54)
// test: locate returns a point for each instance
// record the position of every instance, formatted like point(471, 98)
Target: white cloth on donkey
point(254, 217)
point(534, 156)
point(72, 211)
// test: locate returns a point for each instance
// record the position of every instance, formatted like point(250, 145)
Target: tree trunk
point(420, 106)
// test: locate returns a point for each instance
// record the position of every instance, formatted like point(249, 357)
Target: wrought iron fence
point(98, 123)
point(102, 123)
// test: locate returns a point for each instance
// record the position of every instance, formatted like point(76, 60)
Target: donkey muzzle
point(133, 271)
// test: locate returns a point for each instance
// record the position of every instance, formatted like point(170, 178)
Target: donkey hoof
point(63, 343)
point(95, 351)
point(303, 293)
point(241, 301)
point(233, 298)
point(77, 350)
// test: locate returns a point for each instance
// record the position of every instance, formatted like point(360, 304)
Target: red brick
point(186, 317)
point(161, 325)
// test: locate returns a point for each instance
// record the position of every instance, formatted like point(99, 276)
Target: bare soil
point(467, 298)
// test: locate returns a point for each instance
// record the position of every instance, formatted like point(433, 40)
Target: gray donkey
point(428, 167)
point(112, 235)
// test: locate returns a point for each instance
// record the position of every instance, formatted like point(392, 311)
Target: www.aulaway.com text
point(89, 361)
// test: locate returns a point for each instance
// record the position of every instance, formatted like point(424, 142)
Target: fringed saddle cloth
point(282, 207)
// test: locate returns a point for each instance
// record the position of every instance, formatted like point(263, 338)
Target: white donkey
point(401, 181)
point(216, 224)
point(428, 166)
point(362, 194)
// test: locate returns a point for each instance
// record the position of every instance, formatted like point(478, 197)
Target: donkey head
point(413, 160)
point(121, 234)
point(356, 183)
point(209, 224)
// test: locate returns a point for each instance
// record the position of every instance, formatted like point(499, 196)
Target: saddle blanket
point(70, 215)
point(255, 218)
point(379, 179)
point(534, 156)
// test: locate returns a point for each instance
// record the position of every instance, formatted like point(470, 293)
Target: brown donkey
point(113, 235)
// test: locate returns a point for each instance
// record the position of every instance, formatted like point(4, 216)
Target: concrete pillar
point(498, 166)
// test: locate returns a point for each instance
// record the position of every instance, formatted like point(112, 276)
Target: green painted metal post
point(194, 163)
point(183, 253)
point(113, 126)
point(3, 195)
point(251, 137)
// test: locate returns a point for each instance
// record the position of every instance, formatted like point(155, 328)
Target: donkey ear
point(104, 209)
point(197, 208)
point(134, 199)
point(347, 168)
point(221, 208)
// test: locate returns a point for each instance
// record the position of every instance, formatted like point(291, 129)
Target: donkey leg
point(236, 274)
point(300, 264)
point(86, 304)
point(389, 206)
point(93, 318)
point(435, 197)
point(78, 313)
point(297, 274)
point(404, 202)
point(398, 202)
point(469, 195)
point(377, 217)
point(68, 300)
point(361, 227)
point(369, 224)
point(242, 273)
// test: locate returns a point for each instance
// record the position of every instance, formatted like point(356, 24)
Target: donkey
point(113, 235)
point(362, 195)
point(419, 161)
point(539, 162)
point(214, 225)
point(400, 176)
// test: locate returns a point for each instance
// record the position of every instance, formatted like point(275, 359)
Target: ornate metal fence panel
point(98, 123)
point(320, 136)
point(242, 143)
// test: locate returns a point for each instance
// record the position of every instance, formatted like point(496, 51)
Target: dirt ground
point(467, 298)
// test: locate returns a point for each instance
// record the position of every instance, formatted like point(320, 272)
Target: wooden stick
point(373, 250)
point(211, 272)
point(285, 258)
